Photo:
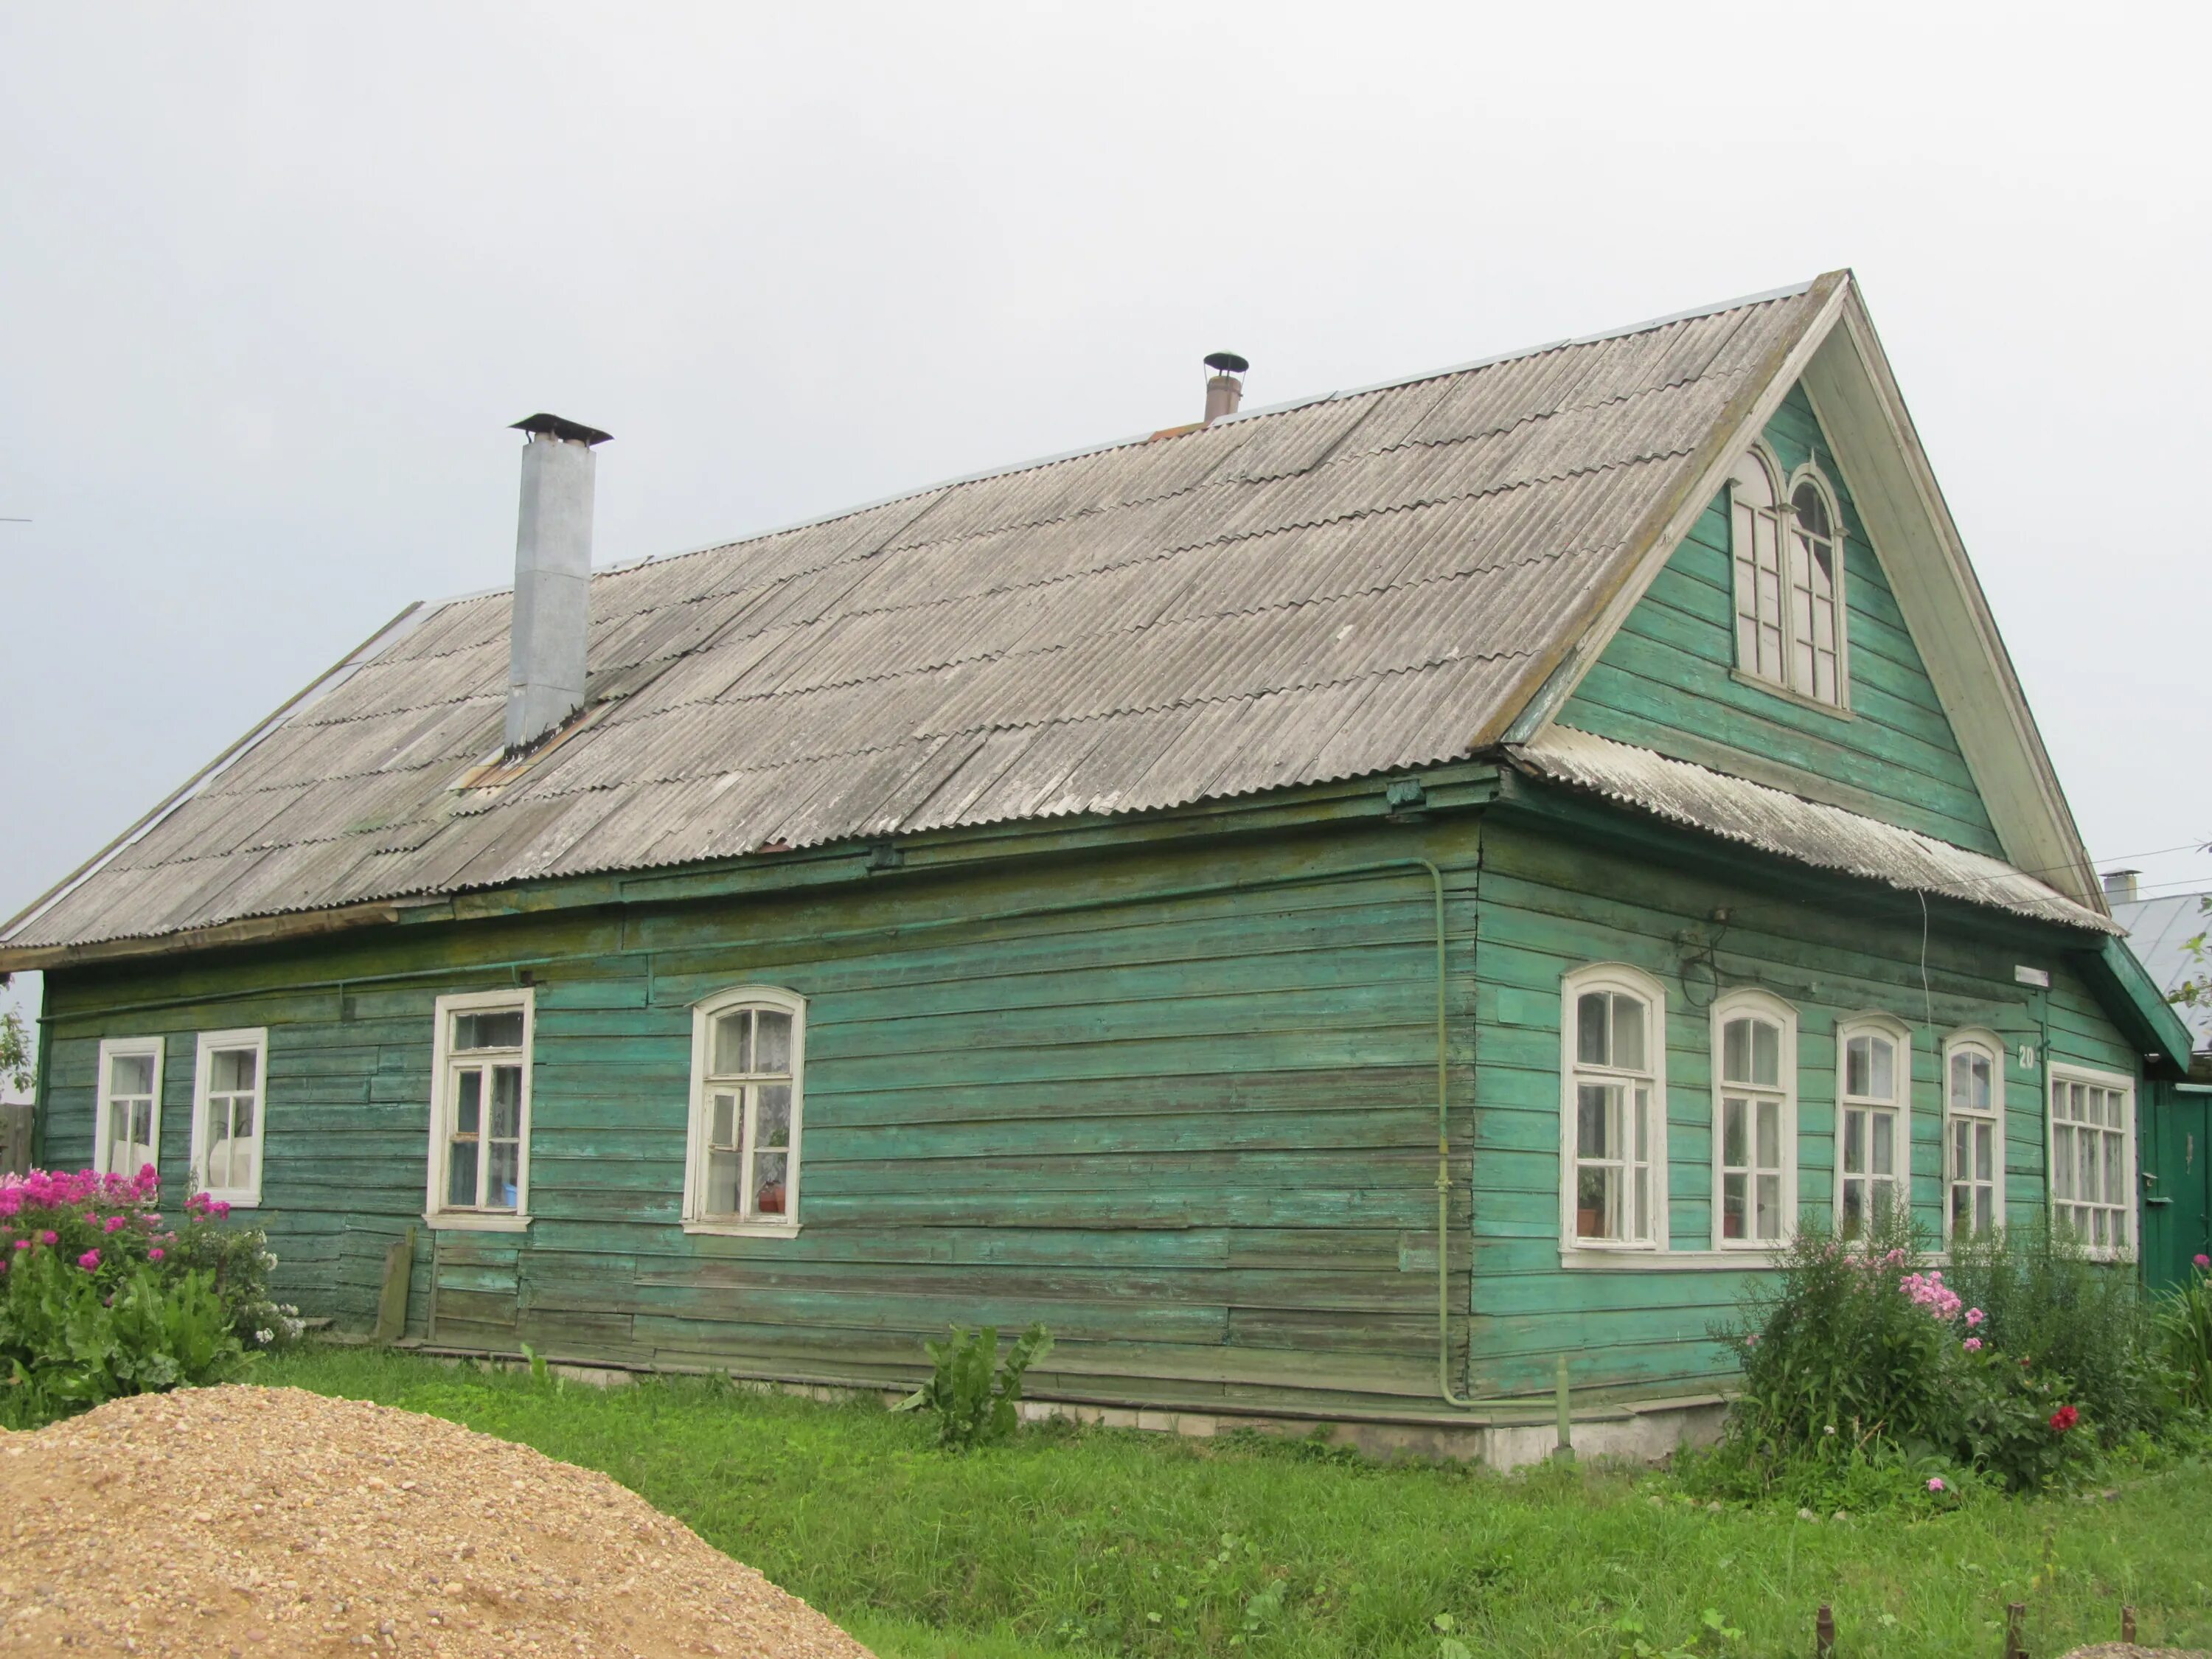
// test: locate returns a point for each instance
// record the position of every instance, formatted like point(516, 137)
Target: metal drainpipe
point(1443, 1152)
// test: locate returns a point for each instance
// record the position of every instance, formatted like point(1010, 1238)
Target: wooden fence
point(14, 1138)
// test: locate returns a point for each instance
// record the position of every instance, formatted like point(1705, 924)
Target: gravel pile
point(262, 1522)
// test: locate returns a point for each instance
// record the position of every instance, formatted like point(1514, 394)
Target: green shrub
point(99, 1297)
point(972, 1397)
point(2185, 1332)
point(2046, 1302)
point(70, 1341)
point(1869, 1379)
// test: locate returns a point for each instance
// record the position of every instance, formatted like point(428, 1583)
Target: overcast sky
point(274, 279)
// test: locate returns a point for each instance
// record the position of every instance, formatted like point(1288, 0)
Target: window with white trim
point(748, 1061)
point(480, 1109)
point(1755, 1120)
point(1973, 1134)
point(1787, 552)
point(126, 1122)
point(1874, 1124)
point(2093, 1164)
point(227, 1084)
point(1613, 1106)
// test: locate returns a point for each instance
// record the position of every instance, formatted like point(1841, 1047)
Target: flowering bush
point(1864, 1367)
point(2087, 1321)
point(99, 1297)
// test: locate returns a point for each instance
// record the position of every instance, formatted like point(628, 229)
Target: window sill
point(744, 1229)
point(1645, 1259)
point(236, 1201)
point(1790, 694)
point(459, 1221)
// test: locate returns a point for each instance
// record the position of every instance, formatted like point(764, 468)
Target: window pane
point(1642, 1115)
point(734, 1044)
point(773, 1042)
point(1733, 1140)
point(1980, 1081)
point(1854, 1208)
point(1982, 1217)
point(1627, 1033)
point(1591, 1045)
point(218, 1154)
point(461, 1174)
point(768, 1182)
point(1884, 1127)
point(1749, 482)
point(230, 1071)
point(507, 1101)
point(1962, 1211)
point(1811, 511)
point(2113, 1157)
point(1593, 1120)
point(1882, 1055)
point(1769, 1134)
point(131, 1074)
point(1596, 1194)
point(1639, 1182)
point(1732, 1207)
point(722, 1118)
point(774, 1127)
point(1855, 1136)
point(1736, 1051)
point(724, 1172)
point(242, 1118)
point(468, 1101)
point(501, 1028)
point(1769, 1218)
point(503, 1158)
point(2062, 1161)
point(1984, 1143)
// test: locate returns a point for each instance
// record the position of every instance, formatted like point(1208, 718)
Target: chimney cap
point(1226, 362)
point(552, 426)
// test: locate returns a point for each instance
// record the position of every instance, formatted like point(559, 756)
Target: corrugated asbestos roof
point(1364, 582)
point(1810, 832)
point(2159, 931)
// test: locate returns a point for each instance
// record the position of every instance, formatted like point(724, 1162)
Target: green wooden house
point(1333, 909)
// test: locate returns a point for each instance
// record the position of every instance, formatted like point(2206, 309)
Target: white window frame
point(1620, 977)
point(703, 1015)
point(1752, 1003)
point(436, 1213)
point(1898, 1035)
point(1988, 1043)
point(1790, 556)
point(210, 1044)
point(116, 1048)
point(2062, 1074)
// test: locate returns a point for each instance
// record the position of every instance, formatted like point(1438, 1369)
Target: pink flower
point(115, 1223)
point(1973, 1345)
point(218, 1209)
point(2203, 1262)
point(22, 1244)
point(89, 1260)
point(50, 1236)
point(1975, 1316)
point(156, 1254)
point(1935, 1484)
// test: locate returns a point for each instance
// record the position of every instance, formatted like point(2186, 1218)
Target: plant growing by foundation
point(972, 1397)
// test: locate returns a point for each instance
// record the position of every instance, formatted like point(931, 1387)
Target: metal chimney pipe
point(2120, 885)
point(1225, 390)
point(552, 578)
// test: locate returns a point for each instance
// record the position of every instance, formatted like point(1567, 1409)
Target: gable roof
point(2159, 932)
point(1348, 584)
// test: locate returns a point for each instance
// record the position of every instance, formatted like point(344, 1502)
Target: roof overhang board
point(1855, 396)
point(2131, 998)
point(1844, 371)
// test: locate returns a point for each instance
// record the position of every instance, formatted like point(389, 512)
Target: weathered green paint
point(1665, 680)
point(2176, 1154)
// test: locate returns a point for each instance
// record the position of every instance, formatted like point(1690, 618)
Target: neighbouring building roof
point(1810, 832)
point(2159, 931)
point(1351, 584)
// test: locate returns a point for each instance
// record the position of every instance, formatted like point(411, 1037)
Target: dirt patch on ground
point(262, 1523)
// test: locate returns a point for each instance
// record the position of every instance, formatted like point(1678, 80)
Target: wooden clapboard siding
point(1552, 902)
point(1665, 681)
point(1194, 1136)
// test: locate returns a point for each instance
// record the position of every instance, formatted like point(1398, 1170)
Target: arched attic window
point(1787, 550)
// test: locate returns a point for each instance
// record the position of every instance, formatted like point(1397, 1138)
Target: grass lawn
point(1081, 1542)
